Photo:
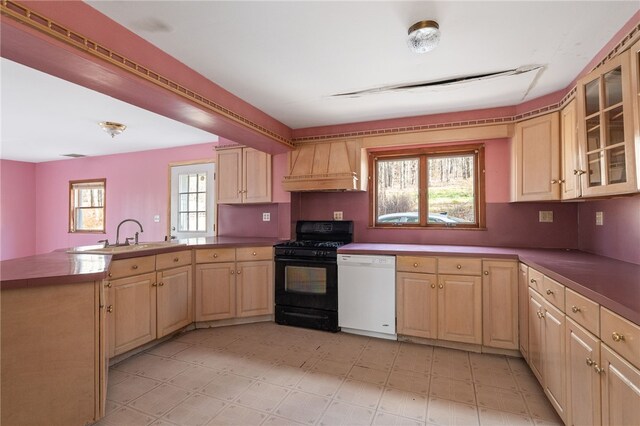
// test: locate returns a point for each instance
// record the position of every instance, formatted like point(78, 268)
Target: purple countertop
point(612, 283)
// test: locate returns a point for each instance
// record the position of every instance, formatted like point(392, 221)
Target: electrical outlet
point(156, 218)
point(266, 217)
point(545, 216)
point(337, 215)
point(599, 218)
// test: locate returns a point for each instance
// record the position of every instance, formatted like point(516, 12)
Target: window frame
point(72, 207)
point(423, 153)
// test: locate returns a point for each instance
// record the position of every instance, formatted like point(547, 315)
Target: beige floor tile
point(444, 354)
point(329, 366)
point(382, 346)
point(159, 400)
point(130, 388)
point(501, 399)
point(411, 382)
point(340, 413)
point(252, 368)
point(280, 421)
point(453, 390)
point(488, 361)
point(528, 383)
point(152, 367)
point(262, 396)
point(451, 413)
point(218, 341)
point(110, 407)
point(196, 410)
point(454, 368)
point(500, 418)
point(359, 393)
point(239, 416)
point(169, 348)
point(194, 378)
point(385, 419)
point(368, 374)
point(541, 422)
point(126, 416)
point(226, 386)
point(283, 375)
point(195, 336)
point(161, 422)
point(302, 407)
point(413, 362)
point(540, 408)
point(518, 365)
point(409, 348)
point(318, 383)
point(497, 378)
point(195, 354)
point(299, 358)
point(403, 403)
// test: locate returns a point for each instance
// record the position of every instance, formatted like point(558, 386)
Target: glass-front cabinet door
point(606, 131)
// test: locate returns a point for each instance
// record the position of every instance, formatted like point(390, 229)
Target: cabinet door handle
point(561, 181)
point(154, 285)
point(161, 284)
point(549, 292)
point(415, 265)
point(597, 369)
point(110, 274)
point(215, 255)
point(233, 272)
point(441, 286)
point(433, 286)
point(134, 267)
point(110, 308)
point(533, 281)
point(238, 272)
point(459, 266)
point(109, 285)
point(486, 272)
point(554, 181)
point(617, 337)
point(540, 314)
point(590, 362)
point(575, 309)
point(176, 259)
point(254, 253)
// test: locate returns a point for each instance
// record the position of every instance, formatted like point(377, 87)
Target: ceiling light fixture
point(423, 36)
point(112, 128)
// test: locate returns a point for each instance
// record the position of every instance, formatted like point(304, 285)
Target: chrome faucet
point(127, 240)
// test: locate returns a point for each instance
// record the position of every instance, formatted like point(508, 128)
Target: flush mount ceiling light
point(423, 36)
point(112, 128)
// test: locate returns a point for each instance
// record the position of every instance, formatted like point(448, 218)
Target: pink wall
point(17, 209)
point(136, 188)
point(619, 236)
point(508, 224)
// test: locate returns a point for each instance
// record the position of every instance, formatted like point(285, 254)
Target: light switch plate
point(545, 216)
point(266, 217)
point(156, 218)
point(599, 218)
point(337, 215)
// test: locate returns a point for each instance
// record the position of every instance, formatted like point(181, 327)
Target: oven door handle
point(323, 261)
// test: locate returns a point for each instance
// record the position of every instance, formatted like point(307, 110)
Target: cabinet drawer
point(553, 291)
point(535, 280)
point(422, 264)
point(134, 266)
point(173, 260)
point(583, 311)
point(215, 255)
point(621, 335)
point(254, 253)
point(459, 266)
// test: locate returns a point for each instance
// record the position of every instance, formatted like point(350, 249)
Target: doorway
point(192, 201)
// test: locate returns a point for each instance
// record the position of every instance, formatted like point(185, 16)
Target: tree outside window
point(87, 205)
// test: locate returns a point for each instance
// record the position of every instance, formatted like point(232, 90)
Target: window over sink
point(433, 187)
point(87, 205)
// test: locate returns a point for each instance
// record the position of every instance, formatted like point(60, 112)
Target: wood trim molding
point(39, 22)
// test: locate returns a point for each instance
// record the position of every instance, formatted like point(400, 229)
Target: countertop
point(612, 283)
point(60, 267)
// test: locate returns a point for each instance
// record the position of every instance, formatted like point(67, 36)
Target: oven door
point(307, 283)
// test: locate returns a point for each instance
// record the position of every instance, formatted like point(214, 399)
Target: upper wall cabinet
point(536, 159)
point(635, 95)
point(605, 129)
point(244, 176)
point(327, 166)
point(570, 178)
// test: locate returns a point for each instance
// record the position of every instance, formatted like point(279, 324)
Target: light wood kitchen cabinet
point(606, 129)
point(131, 312)
point(231, 289)
point(417, 304)
point(553, 358)
point(500, 304)
point(536, 159)
point(523, 309)
point(620, 383)
point(460, 308)
point(536, 337)
point(244, 176)
point(570, 179)
point(583, 380)
point(174, 299)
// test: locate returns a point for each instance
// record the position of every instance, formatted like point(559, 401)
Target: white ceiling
point(44, 117)
point(288, 57)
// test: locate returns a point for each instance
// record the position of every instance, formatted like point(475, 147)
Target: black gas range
point(306, 274)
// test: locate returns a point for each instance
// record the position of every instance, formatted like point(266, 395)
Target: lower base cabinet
point(554, 374)
point(500, 304)
point(620, 383)
point(254, 288)
point(215, 291)
point(460, 308)
point(174, 300)
point(417, 305)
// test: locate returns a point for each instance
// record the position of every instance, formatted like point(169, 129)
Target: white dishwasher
point(367, 295)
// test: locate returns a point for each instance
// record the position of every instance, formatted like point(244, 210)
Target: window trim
point(72, 229)
point(423, 153)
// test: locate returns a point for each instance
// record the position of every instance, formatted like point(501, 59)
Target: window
point(192, 208)
point(430, 187)
point(87, 205)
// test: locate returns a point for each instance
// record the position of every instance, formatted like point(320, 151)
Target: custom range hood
point(327, 166)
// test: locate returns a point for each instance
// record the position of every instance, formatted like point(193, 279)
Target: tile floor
point(275, 375)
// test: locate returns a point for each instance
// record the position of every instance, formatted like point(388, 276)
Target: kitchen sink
point(124, 249)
